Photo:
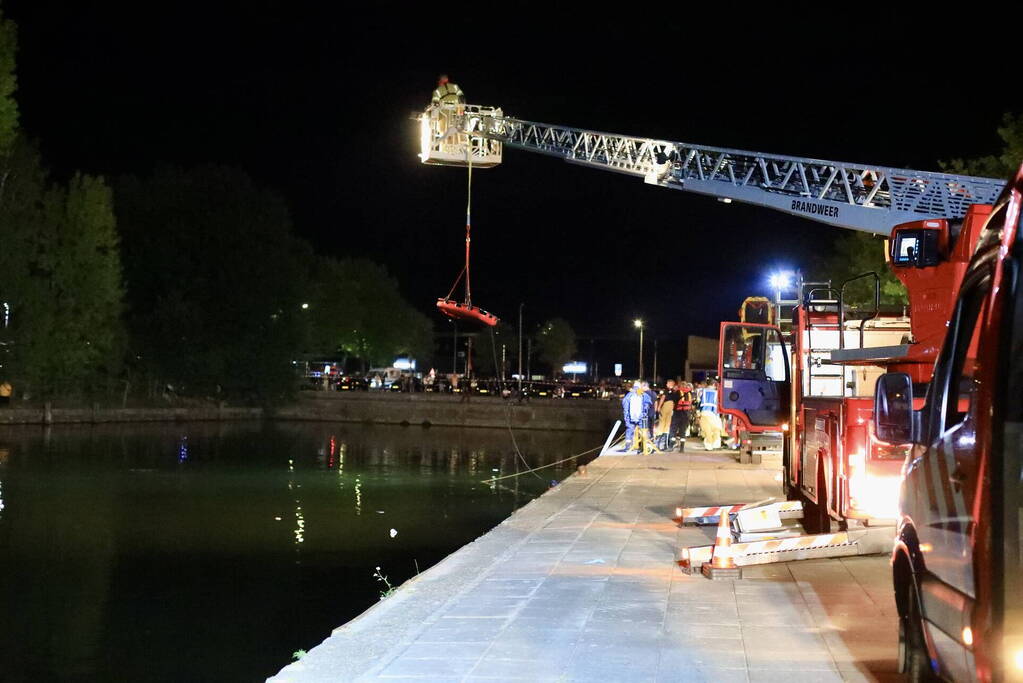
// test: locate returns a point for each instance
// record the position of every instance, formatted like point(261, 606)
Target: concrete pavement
point(581, 584)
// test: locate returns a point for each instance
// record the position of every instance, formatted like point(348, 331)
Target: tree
point(63, 277)
point(62, 281)
point(357, 311)
point(486, 356)
point(556, 344)
point(8, 84)
point(215, 281)
point(1001, 165)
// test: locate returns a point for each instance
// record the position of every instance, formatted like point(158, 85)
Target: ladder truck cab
point(755, 421)
point(957, 562)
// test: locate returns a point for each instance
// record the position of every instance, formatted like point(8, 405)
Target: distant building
point(701, 358)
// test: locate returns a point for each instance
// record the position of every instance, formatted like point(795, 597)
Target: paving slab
point(582, 584)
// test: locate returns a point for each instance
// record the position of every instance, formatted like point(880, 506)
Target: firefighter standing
point(666, 403)
point(710, 422)
point(447, 92)
point(680, 418)
point(636, 408)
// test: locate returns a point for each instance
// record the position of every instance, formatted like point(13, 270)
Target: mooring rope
point(535, 469)
point(507, 410)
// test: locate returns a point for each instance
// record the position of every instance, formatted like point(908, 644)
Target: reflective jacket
point(449, 93)
point(686, 402)
point(709, 400)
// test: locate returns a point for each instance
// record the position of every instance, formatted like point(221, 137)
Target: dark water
point(205, 552)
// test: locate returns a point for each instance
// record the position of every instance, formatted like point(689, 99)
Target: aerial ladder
point(864, 197)
point(932, 221)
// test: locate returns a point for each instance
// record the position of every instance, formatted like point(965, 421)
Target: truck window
point(754, 351)
point(744, 348)
point(776, 363)
point(964, 364)
point(1008, 478)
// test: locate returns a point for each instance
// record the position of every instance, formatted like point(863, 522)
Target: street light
point(780, 281)
point(638, 324)
point(520, 347)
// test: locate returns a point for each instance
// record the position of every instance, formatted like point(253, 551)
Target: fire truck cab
point(956, 562)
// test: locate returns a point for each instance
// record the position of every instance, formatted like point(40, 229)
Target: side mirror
point(893, 408)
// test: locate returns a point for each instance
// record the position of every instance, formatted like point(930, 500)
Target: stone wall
point(362, 407)
point(444, 410)
point(97, 415)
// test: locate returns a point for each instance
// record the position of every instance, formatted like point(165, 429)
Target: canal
point(214, 551)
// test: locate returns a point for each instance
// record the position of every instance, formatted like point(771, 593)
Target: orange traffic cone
point(722, 564)
point(723, 545)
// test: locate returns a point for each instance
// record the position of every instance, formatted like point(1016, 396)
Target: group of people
point(663, 420)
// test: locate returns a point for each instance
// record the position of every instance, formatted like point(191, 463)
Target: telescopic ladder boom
point(861, 197)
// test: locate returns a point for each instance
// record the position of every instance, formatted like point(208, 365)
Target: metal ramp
point(764, 533)
point(786, 509)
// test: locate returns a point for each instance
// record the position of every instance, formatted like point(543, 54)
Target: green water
point(211, 552)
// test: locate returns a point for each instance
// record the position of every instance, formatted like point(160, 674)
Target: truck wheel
point(913, 658)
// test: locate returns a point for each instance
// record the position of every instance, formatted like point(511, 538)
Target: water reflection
point(160, 552)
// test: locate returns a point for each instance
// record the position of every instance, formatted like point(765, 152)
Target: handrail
point(841, 306)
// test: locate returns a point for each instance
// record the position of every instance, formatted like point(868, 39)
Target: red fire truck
point(820, 395)
point(957, 560)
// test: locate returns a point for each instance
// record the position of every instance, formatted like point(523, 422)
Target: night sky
point(314, 102)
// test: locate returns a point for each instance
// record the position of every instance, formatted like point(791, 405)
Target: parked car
point(542, 390)
point(486, 387)
point(576, 391)
point(351, 383)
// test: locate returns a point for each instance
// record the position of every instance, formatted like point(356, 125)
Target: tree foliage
point(556, 344)
point(358, 312)
point(215, 280)
point(1001, 165)
point(487, 347)
point(62, 278)
point(8, 84)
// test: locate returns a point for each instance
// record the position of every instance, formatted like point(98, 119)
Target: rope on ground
point(535, 469)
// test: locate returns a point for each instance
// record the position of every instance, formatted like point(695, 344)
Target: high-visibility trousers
point(664, 418)
point(710, 428)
